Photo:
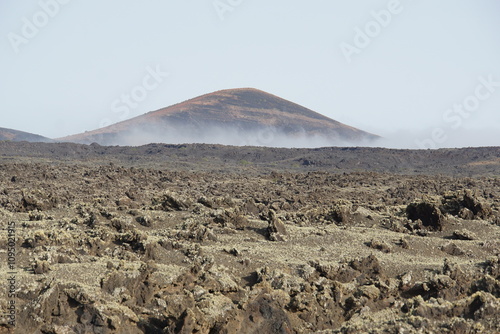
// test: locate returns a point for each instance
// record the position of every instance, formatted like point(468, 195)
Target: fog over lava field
point(241, 167)
point(238, 117)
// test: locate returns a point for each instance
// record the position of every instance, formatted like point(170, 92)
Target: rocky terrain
point(214, 239)
point(200, 157)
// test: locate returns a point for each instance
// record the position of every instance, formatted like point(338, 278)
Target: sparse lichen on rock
point(168, 245)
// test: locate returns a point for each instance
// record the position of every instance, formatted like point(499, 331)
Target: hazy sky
point(421, 73)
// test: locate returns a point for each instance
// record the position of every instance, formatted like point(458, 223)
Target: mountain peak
point(231, 116)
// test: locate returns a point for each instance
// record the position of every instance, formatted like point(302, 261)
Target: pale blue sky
point(71, 74)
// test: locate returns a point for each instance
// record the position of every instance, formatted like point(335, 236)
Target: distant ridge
point(231, 117)
point(15, 135)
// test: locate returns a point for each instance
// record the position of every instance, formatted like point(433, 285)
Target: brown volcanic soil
point(238, 112)
point(459, 162)
point(145, 240)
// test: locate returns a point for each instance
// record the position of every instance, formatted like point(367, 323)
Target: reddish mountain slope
point(234, 117)
point(15, 135)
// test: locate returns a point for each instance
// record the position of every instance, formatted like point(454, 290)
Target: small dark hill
point(15, 135)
